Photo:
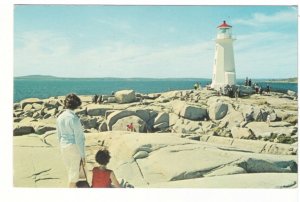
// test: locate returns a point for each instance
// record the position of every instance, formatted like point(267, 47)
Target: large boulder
point(81, 111)
point(22, 129)
point(125, 96)
point(246, 90)
point(103, 126)
point(143, 114)
point(52, 103)
point(97, 110)
point(217, 110)
point(121, 125)
point(116, 115)
point(24, 102)
point(233, 118)
point(89, 122)
point(161, 117)
point(41, 129)
point(193, 112)
point(27, 108)
point(291, 93)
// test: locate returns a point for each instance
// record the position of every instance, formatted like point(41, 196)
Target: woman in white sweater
point(71, 138)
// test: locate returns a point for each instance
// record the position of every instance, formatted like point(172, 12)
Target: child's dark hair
point(102, 157)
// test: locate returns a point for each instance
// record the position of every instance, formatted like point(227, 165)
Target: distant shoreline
point(289, 80)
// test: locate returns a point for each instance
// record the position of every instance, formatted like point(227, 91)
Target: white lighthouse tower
point(224, 68)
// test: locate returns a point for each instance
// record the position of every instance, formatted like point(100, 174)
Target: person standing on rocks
point(71, 138)
point(268, 89)
point(268, 119)
point(100, 99)
point(237, 93)
point(95, 99)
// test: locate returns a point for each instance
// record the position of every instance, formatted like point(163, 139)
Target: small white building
point(224, 67)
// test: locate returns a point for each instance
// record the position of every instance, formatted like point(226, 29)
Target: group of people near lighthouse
point(258, 89)
point(72, 146)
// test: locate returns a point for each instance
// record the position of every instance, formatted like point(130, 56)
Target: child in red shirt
point(103, 177)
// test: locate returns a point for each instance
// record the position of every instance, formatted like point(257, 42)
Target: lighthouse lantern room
point(224, 67)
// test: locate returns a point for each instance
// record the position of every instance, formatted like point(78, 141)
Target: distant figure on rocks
point(141, 100)
point(71, 138)
point(268, 119)
point(237, 93)
point(268, 89)
point(246, 81)
point(100, 99)
point(130, 127)
point(260, 91)
point(196, 86)
point(256, 87)
point(103, 177)
point(219, 92)
point(95, 99)
point(250, 82)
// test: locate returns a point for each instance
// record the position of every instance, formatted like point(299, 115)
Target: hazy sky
point(152, 41)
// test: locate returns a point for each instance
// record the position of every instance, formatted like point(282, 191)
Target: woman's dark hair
point(72, 101)
point(102, 157)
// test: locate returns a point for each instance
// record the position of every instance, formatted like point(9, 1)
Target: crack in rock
point(43, 171)
point(232, 149)
point(292, 185)
point(48, 178)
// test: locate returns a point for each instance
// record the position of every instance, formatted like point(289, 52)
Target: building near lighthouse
point(224, 67)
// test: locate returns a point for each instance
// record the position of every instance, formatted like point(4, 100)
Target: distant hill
point(36, 77)
point(288, 80)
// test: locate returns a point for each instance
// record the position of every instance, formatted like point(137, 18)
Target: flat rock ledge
point(157, 160)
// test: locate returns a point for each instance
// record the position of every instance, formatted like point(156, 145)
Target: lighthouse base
point(229, 79)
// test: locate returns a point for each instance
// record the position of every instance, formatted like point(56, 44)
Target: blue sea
point(45, 88)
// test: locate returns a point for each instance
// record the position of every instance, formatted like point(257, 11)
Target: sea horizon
point(154, 78)
point(42, 87)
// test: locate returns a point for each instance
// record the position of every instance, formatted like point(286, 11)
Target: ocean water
point(45, 88)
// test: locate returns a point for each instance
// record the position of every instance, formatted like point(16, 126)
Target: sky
point(152, 41)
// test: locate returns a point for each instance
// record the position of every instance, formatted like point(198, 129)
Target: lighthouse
point(224, 67)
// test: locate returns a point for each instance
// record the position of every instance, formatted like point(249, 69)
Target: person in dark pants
point(100, 99)
point(250, 82)
point(268, 89)
point(95, 99)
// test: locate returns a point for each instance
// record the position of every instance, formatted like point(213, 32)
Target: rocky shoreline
point(183, 138)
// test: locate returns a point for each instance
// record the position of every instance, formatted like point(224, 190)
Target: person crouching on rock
point(71, 138)
point(130, 127)
point(103, 177)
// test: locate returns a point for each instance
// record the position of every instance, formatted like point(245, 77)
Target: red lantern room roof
point(224, 25)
